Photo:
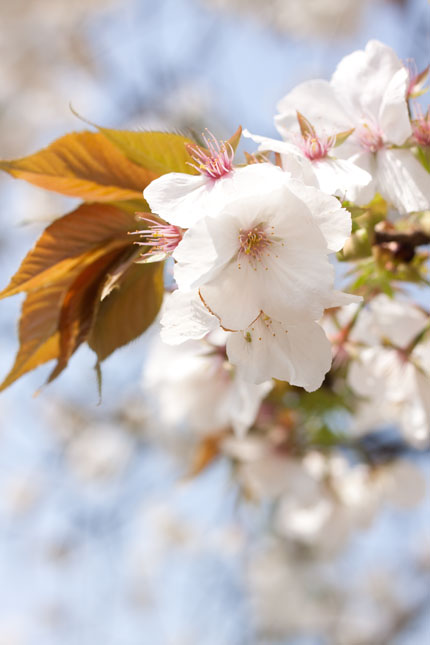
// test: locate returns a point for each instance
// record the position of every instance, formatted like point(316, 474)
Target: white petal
point(300, 355)
point(268, 144)
point(366, 375)
point(362, 78)
point(184, 318)
point(233, 296)
point(244, 402)
point(333, 220)
point(403, 181)
point(178, 198)
point(342, 299)
point(317, 101)
point(396, 320)
point(301, 168)
point(341, 178)
point(367, 162)
point(202, 251)
point(294, 162)
point(292, 278)
point(393, 114)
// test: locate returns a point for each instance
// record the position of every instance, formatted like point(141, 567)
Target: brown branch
point(412, 239)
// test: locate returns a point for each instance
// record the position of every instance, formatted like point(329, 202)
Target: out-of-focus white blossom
point(100, 453)
point(394, 381)
point(192, 386)
point(321, 500)
point(20, 493)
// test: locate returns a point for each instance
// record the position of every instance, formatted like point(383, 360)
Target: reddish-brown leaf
point(73, 241)
point(128, 310)
point(38, 335)
point(79, 306)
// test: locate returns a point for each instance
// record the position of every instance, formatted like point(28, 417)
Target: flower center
point(214, 162)
point(316, 147)
point(370, 137)
point(253, 242)
point(161, 238)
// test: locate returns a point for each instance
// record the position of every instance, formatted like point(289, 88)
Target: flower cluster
point(253, 244)
point(253, 261)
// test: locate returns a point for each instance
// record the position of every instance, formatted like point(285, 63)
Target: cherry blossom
point(182, 199)
point(312, 160)
point(162, 240)
point(271, 240)
point(267, 348)
point(391, 372)
point(200, 391)
point(367, 92)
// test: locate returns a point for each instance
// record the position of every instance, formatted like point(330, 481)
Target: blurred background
point(103, 537)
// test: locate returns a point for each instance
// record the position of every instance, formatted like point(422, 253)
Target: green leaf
point(424, 157)
point(158, 152)
point(341, 137)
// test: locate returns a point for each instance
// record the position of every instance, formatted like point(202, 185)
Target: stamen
point(370, 137)
point(217, 161)
point(315, 147)
point(253, 242)
point(163, 238)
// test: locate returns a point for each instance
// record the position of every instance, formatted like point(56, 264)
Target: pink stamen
point(217, 161)
point(421, 127)
point(163, 238)
point(315, 147)
point(370, 137)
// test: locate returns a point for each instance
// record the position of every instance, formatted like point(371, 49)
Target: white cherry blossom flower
point(265, 251)
point(299, 354)
point(312, 160)
point(182, 199)
point(367, 92)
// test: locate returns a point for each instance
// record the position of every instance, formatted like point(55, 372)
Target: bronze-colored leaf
point(79, 306)
point(75, 240)
point(234, 140)
point(38, 336)
point(129, 310)
point(86, 165)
